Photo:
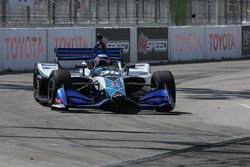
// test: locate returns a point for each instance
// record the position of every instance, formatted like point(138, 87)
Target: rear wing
point(64, 54)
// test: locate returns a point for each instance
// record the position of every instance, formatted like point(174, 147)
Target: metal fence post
point(4, 13)
point(108, 10)
point(75, 11)
point(126, 10)
point(225, 11)
point(49, 11)
point(70, 11)
point(97, 11)
point(53, 11)
point(235, 13)
point(159, 10)
point(156, 11)
point(217, 11)
point(241, 11)
point(209, 11)
point(173, 11)
point(117, 11)
point(246, 10)
point(191, 15)
point(143, 11)
point(28, 15)
point(89, 11)
point(137, 11)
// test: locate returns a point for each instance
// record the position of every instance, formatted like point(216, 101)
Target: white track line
point(245, 105)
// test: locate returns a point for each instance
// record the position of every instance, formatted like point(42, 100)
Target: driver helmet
point(101, 60)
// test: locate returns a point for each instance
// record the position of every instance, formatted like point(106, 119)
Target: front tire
point(56, 80)
point(163, 80)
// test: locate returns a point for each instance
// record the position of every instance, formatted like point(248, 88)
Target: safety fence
point(21, 48)
point(54, 13)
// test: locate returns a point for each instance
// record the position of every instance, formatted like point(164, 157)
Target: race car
point(114, 86)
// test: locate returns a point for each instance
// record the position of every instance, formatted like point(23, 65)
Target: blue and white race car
point(109, 86)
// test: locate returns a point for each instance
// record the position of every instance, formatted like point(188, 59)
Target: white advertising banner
point(69, 38)
point(186, 43)
point(21, 48)
point(223, 42)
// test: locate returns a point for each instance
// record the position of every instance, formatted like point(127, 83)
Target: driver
point(101, 60)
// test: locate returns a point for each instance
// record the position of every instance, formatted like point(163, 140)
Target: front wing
point(155, 99)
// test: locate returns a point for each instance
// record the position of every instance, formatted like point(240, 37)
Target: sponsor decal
point(50, 66)
point(118, 44)
point(58, 101)
point(70, 42)
point(245, 40)
point(190, 42)
point(114, 84)
point(222, 41)
point(117, 38)
point(24, 47)
point(105, 73)
point(146, 45)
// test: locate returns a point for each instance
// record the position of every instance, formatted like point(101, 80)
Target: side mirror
point(82, 66)
point(127, 67)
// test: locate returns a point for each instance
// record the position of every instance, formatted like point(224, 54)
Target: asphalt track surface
point(209, 127)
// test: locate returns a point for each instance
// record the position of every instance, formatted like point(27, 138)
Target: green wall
point(179, 13)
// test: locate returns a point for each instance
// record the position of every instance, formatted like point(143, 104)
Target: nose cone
point(115, 88)
point(118, 97)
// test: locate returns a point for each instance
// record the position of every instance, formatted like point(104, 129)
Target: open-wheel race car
point(109, 86)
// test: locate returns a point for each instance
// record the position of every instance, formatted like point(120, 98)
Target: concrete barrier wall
point(186, 43)
point(21, 48)
point(204, 43)
point(69, 38)
point(223, 42)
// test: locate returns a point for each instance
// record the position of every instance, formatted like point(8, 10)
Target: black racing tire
point(56, 80)
point(37, 88)
point(165, 79)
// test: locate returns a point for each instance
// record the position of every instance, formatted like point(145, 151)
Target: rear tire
point(38, 86)
point(35, 89)
point(56, 80)
point(163, 80)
